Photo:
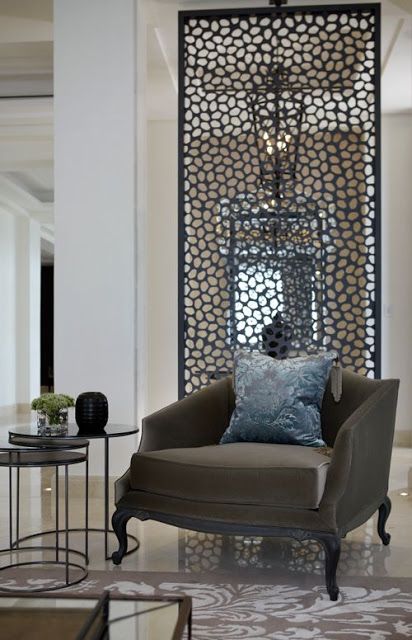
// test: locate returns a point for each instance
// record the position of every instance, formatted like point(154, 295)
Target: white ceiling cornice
point(16, 200)
point(27, 110)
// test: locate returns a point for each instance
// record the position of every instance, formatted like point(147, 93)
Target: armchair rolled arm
point(195, 421)
point(357, 480)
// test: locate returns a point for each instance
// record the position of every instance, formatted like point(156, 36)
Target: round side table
point(28, 435)
point(15, 457)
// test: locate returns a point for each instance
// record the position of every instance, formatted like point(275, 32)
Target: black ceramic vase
point(92, 411)
point(277, 338)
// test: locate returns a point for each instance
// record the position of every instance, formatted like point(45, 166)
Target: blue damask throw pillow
point(278, 401)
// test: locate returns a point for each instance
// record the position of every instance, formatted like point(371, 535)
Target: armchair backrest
point(201, 419)
point(355, 390)
point(195, 421)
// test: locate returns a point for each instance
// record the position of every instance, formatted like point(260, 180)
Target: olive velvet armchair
point(182, 476)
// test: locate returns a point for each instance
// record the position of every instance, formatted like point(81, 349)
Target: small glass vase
point(55, 426)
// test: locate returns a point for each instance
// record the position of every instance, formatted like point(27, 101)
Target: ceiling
point(26, 69)
point(163, 49)
point(26, 124)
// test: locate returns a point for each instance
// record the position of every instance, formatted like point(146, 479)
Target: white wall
point(397, 263)
point(20, 311)
point(95, 205)
point(162, 267)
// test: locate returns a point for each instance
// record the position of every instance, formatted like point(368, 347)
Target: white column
point(27, 256)
point(33, 275)
point(7, 312)
point(143, 301)
point(20, 313)
point(95, 175)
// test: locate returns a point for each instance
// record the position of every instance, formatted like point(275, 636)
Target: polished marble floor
point(165, 548)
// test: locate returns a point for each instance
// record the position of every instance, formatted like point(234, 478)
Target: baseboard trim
point(402, 438)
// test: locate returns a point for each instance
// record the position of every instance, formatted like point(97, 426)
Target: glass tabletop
point(108, 616)
point(110, 431)
point(40, 458)
point(7, 446)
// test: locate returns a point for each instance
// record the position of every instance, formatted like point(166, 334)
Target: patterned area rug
point(372, 608)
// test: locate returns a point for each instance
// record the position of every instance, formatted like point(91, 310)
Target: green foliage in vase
point(51, 403)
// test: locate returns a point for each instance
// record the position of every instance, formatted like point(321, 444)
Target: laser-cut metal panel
point(279, 184)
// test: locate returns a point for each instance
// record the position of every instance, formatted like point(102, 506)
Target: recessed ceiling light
point(404, 493)
point(48, 489)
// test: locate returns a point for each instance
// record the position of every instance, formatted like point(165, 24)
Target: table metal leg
point(86, 516)
point(66, 508)
point(57, 512)
point(189, 626)
point(106, 496)
point(10, 508)
point(18, 508)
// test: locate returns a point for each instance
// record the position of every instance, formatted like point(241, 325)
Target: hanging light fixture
point(277, 110)
point(272, 237)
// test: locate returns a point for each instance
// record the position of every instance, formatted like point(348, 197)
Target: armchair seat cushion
point(238, 473)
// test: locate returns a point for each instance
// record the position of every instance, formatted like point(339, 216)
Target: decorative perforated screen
point(279, 184)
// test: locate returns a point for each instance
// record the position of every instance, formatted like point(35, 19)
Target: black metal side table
point(28, 435)
point(17, 457)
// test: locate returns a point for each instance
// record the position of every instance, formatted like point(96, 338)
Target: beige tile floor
point(165, 548)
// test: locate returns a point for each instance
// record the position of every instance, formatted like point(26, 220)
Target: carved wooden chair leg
point(384, 511)
point(331, 544)
point(119, 522)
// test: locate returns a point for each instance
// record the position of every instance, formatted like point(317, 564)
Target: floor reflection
point(200, 552)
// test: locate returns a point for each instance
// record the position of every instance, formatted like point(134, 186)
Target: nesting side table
point(28, 435)
point(15, 457)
